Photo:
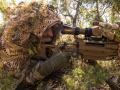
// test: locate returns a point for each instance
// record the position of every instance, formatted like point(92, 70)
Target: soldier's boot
point(41, 70)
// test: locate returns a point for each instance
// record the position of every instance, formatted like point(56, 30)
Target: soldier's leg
point(41, 70)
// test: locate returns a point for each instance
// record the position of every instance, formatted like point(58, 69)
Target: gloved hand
point(97, 31)
point(105, 29)
point(100, 31)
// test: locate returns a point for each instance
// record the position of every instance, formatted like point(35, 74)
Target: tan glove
point(108, 29)
point(109, 35)
point(109, 26)
point(97, 30)
point(100, 31)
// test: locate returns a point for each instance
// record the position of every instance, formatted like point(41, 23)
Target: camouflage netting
point(26, 21)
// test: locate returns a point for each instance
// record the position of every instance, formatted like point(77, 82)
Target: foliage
point(4, 5)
point(85, 78)
point(88, 11)
point(5, 81)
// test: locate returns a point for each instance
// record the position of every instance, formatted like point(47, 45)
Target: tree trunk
point(76, 14)
point(97, 17)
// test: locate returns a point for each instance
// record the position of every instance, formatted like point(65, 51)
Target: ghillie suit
point(24, 38)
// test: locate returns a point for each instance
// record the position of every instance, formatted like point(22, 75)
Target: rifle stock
point(93, 51)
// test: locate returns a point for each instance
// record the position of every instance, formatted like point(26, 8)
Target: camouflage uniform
point(22, 40)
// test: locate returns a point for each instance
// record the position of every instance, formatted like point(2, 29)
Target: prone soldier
point(25, 54)
point(26, 38)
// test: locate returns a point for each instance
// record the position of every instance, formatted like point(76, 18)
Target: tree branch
point(105, 10)
point(77, 13)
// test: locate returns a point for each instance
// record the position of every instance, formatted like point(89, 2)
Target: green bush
point(85, 78)
point(5, 81)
